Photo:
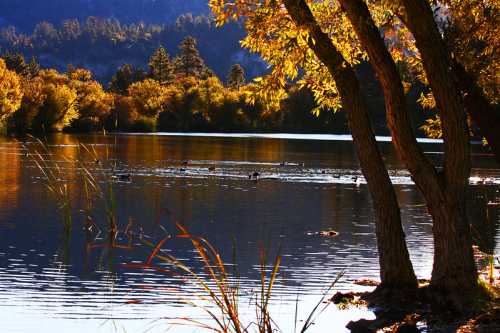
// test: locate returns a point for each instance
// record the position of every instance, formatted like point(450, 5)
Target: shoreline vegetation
point(175, 94)
point(165, 80)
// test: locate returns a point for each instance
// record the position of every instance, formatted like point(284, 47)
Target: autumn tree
point(160, 66)
point(94, 104)
point(48, 103)
point(469, 31)
point(325, 40)
point(236, 76)
point(301, 43)
point(148, 96)
point(33, 98)
point(445, 200)
point(453, 246)
point(79, 74)
point(472, 33)
point(58, 109)
point(10, 91)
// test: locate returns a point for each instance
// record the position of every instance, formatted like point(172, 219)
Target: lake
point(308, 183)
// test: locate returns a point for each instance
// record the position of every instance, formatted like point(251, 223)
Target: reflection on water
point(49, 280)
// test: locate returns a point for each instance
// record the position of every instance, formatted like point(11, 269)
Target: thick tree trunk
point(454, 268)
point(396, 270)
point(483, 114)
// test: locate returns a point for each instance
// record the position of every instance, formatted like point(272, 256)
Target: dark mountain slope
point(24, 14)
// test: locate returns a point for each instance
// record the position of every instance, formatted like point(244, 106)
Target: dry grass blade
point(314, 313)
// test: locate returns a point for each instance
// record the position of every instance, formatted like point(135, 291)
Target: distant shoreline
point(291, 136)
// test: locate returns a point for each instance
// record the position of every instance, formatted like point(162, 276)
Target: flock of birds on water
point(256, 175)
point(127, 177)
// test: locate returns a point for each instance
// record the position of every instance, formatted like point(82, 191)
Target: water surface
point(307, 183)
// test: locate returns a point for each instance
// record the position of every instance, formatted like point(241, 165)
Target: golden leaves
point(10, 91)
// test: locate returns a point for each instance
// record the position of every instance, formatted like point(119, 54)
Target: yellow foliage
point(48, 104)
point(286, 47)
point(432, 128)
point(80, 74)
point(473, 24)
point(93, 101)
point(59, 107)
point(10, 91)
point(149, 97)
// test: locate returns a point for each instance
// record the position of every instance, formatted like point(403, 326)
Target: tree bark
point(483, 114)
point(454, 269)
point(396, 270)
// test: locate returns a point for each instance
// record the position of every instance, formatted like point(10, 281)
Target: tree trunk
point(454, 268)
point(396, 270)
point(483, 114)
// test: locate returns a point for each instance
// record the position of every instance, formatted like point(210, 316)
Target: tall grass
point(53, 177)
point(221, 297)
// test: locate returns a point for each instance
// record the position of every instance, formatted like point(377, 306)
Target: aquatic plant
point(221, 288)
point(54, 180)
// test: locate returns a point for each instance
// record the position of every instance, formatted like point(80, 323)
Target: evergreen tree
point(32, 68)
point(236, 76)
point(124, 77)
point(189, 61)
point(16, 62)
point(160, 67)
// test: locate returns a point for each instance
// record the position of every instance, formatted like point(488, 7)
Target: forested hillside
point(26, 14)
point(104, 44)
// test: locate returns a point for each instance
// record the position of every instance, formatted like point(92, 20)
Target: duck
point(328, 233)
point(124, 177)
point(182, 169)
point(211, 168)
point(356, 180)
point(254, 175)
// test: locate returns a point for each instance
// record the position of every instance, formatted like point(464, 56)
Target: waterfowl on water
point(211, 168)
point(124, 177)
point(254, 175)
point(481, 181)
point(182, 169)
point(283, 163)
point(328, 233)
point(324, 233)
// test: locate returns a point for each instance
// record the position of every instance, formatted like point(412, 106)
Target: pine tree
point(17, 63)
point(189, 61)
point(160, 67)
point(124, 77)
point(32, 68)
point(236, 76)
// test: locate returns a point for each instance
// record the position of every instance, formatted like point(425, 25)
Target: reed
point(222, 289)
point(53, 178)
